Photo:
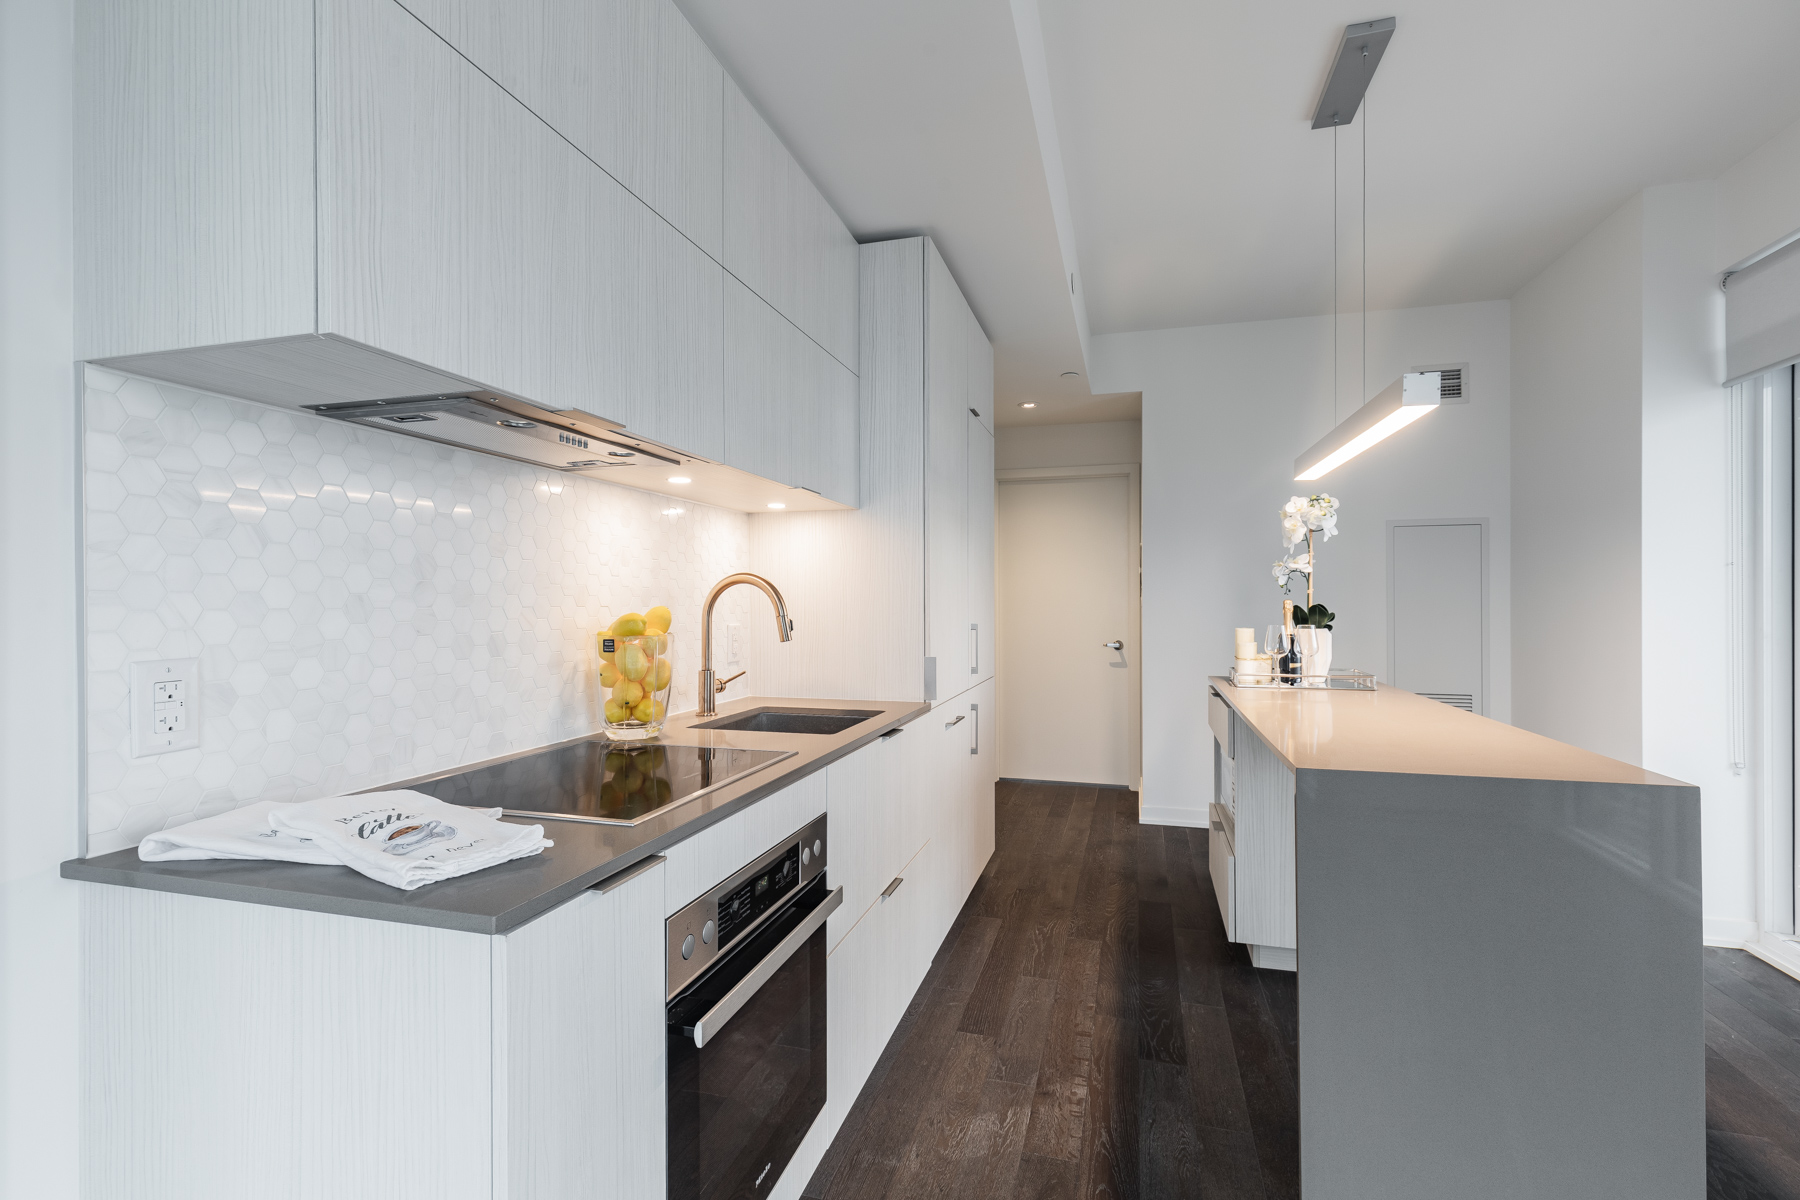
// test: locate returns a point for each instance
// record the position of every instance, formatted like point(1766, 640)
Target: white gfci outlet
point(734, 644)
point(165, 706)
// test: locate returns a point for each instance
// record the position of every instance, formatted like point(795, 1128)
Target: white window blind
point(1762, 314)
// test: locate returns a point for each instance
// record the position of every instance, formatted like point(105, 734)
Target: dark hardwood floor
point(1087, 1031)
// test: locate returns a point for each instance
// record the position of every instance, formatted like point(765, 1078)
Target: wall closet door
point(629, 82)
point(782, 238)
point(981, 552)
point(457, 229)
point(947, 420)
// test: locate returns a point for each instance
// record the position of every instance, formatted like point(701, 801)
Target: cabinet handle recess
point(894, 886)
point(893, 733)
point(974, 649)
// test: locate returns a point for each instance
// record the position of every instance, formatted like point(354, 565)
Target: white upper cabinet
point(193, 174)
point(457, 229)
point(628, 82)
point(790, 408)
point(782, 238)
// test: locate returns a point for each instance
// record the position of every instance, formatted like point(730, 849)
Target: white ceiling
point(1499, 134)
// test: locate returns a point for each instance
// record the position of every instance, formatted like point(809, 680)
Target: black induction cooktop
point(602, 782)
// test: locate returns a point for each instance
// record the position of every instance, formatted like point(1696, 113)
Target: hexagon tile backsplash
point(365, 607)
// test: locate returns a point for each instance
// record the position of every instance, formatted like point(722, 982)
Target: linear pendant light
point(1417, 392)
point(1403, 402)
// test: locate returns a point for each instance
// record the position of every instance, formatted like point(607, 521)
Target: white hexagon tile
point(366, 607)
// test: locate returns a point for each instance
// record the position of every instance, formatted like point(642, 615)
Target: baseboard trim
point(1158, 814)
point(1105, 787)
point(1729, 933)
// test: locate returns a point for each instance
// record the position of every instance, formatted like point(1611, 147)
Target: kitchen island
point(1498, 944)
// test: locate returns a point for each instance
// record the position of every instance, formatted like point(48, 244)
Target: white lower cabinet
point(235, 1050)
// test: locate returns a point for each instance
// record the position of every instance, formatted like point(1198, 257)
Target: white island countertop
point(1392, 730)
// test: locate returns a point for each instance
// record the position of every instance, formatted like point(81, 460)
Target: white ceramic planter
point(1315, 655)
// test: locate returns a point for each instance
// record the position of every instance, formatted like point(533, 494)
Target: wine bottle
point(1288, 669)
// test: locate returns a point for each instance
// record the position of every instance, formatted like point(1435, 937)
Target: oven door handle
point(713, 1020)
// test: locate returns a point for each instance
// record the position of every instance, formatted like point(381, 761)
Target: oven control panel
point(719, 919)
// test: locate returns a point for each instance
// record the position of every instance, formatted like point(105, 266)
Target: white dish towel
point(241, 833)
point(408, 839)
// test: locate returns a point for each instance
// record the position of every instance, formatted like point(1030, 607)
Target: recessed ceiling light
point(772, 504)
point(1029, 404)
point(1071, 374)
point(679, 479)
point(673, 512)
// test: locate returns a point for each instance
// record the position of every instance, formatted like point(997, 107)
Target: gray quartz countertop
point(1397, 731)
point(504, 897)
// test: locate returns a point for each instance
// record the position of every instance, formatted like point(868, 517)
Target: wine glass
point(1275, 645)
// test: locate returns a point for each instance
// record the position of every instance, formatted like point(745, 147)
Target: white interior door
point(1065, 591)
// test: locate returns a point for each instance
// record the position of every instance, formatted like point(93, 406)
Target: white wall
point(1621, 495)
point(39, 713)
point(1092, 444)
point(1227, 408)
point(1576, 466)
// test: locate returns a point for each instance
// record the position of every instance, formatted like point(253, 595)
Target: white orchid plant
point(1301, 519)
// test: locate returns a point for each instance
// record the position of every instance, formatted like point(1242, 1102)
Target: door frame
point(1487, 665)
point(1132, 473)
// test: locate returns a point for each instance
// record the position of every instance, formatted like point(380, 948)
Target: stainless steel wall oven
point(746, 1021)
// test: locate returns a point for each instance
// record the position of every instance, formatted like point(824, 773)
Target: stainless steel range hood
point(573, 442)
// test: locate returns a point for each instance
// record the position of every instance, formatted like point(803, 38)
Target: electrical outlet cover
point(165, 706)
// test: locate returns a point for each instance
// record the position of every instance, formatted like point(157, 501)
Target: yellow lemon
point(645, 710)
point(628, 693)
point(617, 713)
point(658, 619)
point(629, 625)
point(609, 675)
point(634, 662)
point(660, 674)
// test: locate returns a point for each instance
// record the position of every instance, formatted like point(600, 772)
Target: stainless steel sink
point(792, 720)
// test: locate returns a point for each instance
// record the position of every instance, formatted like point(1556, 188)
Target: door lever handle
point(1113, 645)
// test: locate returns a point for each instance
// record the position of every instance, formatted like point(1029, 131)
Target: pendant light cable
point(1334, 274)
point(1364, 393)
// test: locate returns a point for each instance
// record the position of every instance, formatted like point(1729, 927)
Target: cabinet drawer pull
point(630, 873)
point(894, 886)
point(955, 723)
point(892, 733)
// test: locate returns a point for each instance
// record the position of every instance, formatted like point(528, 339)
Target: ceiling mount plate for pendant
point(1357, 57)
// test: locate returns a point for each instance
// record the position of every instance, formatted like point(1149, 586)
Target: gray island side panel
point(1499, 988)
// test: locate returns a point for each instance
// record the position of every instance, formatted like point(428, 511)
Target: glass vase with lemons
point(637, 673)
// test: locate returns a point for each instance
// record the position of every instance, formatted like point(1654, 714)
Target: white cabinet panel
point(629, 82)
point(859, 798)
point(790, 408)
point(225, 1045)
point(576, 1089)
point(782, 238)
point(444, 203)
point(193, 173)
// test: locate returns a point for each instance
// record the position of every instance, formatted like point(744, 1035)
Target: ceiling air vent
point(1453, 381)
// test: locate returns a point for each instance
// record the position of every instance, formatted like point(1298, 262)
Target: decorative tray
point(1341, 680)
